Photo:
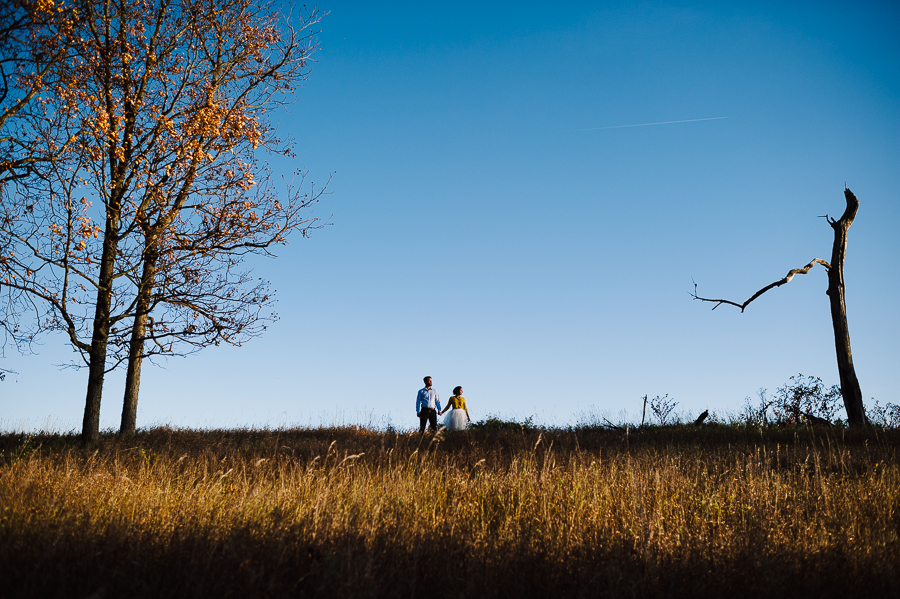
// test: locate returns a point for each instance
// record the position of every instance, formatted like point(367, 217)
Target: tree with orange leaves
point(161, 190)
point(36, 36)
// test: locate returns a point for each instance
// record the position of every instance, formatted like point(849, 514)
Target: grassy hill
point(501, 511)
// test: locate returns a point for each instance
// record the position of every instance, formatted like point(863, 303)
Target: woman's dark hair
point(456, 390)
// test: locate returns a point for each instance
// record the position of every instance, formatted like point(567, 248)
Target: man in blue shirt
point(428, 404)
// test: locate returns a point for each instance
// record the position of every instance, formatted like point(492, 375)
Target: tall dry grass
point(675, 511)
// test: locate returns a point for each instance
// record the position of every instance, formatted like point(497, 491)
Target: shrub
point(756, 415)
point(662, 407)
point(495, 423)
point(887, 415)
point(805, 396)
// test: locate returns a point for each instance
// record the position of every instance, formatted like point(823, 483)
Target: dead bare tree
point(850, 390)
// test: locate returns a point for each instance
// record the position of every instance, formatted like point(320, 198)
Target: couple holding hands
point(428, 408)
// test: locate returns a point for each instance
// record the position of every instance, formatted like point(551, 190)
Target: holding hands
point(428, 407)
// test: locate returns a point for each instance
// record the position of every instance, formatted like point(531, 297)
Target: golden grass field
point(681, 511)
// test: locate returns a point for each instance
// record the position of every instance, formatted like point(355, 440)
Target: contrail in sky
point(712, 118)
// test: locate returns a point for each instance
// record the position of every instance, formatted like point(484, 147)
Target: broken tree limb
point(779, 283)
point(701, 418)
point(614, 427)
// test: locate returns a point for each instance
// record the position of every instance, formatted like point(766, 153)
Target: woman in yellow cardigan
point(459, 415)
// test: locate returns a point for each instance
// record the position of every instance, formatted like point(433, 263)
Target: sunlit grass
point(332, 512)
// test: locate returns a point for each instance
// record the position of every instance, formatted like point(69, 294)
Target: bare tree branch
point(779, 283)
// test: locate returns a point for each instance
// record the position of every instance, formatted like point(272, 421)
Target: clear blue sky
point(496, 227)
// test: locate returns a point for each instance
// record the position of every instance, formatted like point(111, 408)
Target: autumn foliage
point(136, 180)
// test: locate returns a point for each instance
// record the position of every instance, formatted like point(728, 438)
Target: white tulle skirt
point(456, 420)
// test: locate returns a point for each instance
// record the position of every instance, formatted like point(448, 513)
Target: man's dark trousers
point(428, 415)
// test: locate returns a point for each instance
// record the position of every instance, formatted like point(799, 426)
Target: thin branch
point(779, 283)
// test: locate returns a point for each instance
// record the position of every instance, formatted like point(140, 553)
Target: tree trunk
point(133, 377)
point(90, 427)
point(136, 348)
point(853, 402)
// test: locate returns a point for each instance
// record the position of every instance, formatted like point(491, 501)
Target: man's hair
point(456, 390)
point(425, 379)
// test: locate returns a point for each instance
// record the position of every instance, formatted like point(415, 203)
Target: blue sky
point(494, 227)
